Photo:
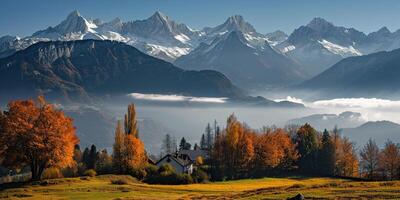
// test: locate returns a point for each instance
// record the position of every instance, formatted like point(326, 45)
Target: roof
point(151, 160)
point(181, 162)
point(193, 154)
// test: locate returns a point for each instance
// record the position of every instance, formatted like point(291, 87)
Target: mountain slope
point(329, 121)
point(380, 131)
point(377, 73)
point(320, 44)
point(77, 69)
point(245, 64)
point(158, 35)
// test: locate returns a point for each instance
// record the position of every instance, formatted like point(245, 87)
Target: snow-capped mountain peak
point(159, 16)
point(72, 27)
point(74, 23)
point(233, 23)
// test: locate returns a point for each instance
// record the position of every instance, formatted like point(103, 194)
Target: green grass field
point(100, 187)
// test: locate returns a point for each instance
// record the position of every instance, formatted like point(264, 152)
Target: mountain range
point(78, 69)
point(320, 44)
point(244, 64)
point(252, 60)
point(362, 76)
point(380, 131)
point(329, 121)
point(83, 70)
point(354, 126)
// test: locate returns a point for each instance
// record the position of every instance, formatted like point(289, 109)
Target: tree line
point(34, 133)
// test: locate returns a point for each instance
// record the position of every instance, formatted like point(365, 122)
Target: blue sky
point(23, 17)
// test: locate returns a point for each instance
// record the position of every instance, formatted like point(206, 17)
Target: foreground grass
point(267, 188)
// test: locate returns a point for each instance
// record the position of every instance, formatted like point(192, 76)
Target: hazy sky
point(23, 17)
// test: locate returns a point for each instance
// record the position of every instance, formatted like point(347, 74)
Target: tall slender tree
point(370, 158)
point(203, 142)
point(209, 137)
point(91, 163)
point(130, 155)
point(168, 145)
point(119, 149)
point(131, 122)
point(326, 156)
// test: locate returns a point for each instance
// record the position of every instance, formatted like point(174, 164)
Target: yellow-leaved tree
point(129, 153)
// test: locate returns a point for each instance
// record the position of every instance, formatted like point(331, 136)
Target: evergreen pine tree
point(327, 155)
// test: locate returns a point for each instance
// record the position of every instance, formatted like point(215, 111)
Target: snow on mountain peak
point(340, 50)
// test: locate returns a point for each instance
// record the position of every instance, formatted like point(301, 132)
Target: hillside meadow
point(126, 187)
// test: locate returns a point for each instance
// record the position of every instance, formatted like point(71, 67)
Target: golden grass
point(100, 188)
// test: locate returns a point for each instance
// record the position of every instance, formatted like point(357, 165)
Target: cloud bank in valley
point(177, 98)
point(372, 109)
point(347, 103)
point(358, 103)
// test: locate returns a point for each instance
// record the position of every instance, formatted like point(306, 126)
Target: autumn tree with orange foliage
point(129, 152)
point(241, 152)
point(274, 150)
point(347, 160)
point(38, 135)
point(390, 160)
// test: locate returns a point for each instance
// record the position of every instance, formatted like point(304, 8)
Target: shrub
point(90, 173)
point(115, 179)
point(166, 169)
point(184, 179)
point(151, 170)
point(81, 169)
point(119, 181)
point(51, 173)
point(167, 175)
point(199, 176)
point(140, 174)
point(71, 171)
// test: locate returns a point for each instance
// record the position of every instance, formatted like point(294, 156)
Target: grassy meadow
point(105, 187)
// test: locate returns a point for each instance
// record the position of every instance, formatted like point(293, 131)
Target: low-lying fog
point(186, 120)
point(183, 116)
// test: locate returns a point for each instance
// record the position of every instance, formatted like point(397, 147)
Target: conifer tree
point(327, 155)
point(307, 146)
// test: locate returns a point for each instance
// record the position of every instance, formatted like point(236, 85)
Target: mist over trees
point(35, 134)
point(241, 152)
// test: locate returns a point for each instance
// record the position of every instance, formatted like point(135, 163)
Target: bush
point(81, 169)
point(184, 179)
point(151, 170)
point(140, 174)
point(166, 169)
point(199, 176)
point(90, 173)
point(71, 171)
point(51, 173)
point(119, 181)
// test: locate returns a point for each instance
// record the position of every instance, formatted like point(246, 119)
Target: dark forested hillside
point(79, 69)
